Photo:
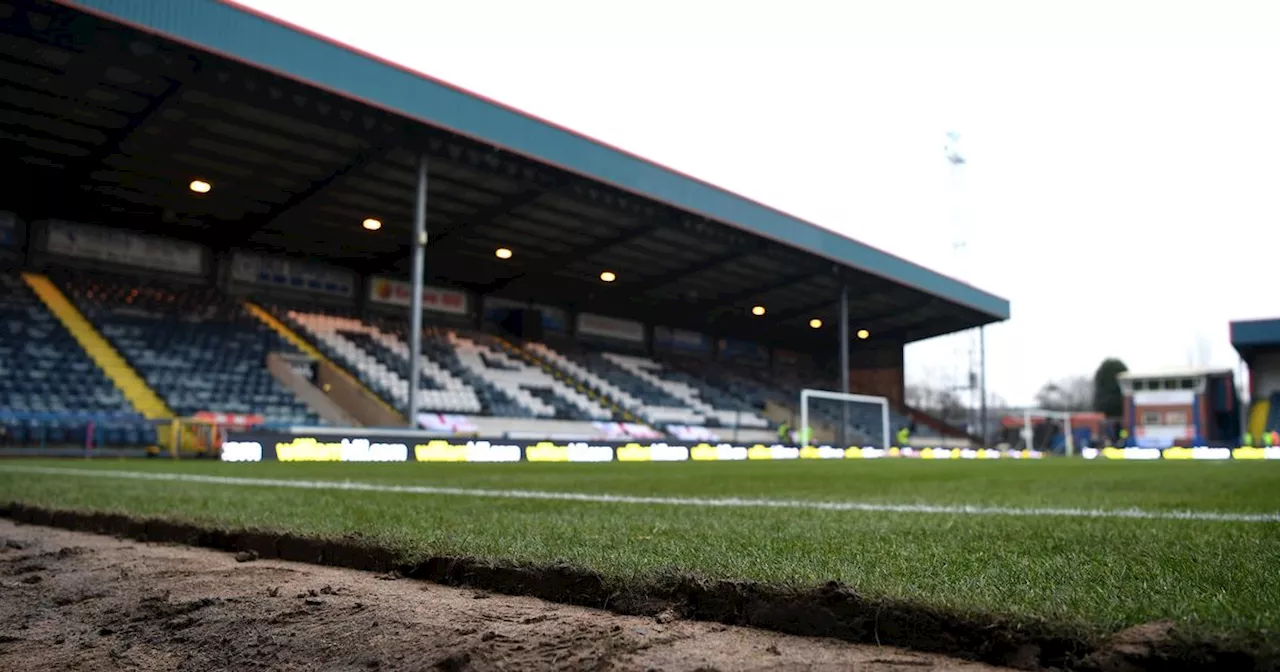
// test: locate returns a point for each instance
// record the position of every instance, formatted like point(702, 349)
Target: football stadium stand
point(254, 193)
point(1258, 342)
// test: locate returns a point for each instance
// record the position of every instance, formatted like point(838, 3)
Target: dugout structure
point(205, 122)
point(1258, 342)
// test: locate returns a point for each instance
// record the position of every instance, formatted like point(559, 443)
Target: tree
point(942, 404)
point(1107, 397)
point(1069, 394)
point(1200, 353)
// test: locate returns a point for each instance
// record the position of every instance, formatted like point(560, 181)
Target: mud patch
point(196, 609)
point(832, 611)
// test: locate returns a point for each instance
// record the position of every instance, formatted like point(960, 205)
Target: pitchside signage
point(259, 446)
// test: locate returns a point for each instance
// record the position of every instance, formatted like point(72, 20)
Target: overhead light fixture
point(815, 323)
point(608, 276)
point(863, 334)
point(372, 224)
point(200, 186)
point(502, 253)
point(757, 310)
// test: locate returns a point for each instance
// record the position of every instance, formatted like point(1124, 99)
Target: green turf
point(1104, 574)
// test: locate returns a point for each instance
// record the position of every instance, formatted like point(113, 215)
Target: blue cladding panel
point(233, 32)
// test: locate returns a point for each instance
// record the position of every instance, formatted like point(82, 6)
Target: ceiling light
point(815, 323)
point(200, 186)
point(372, 224)
point(863, 334)
point(608, 276)
point(502, 253)
point(757, 311)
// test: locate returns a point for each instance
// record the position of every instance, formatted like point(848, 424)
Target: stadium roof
point(1251, 336)
point(111, 107)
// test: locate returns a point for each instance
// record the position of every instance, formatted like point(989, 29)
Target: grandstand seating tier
point(50, 390)
point(199, 350)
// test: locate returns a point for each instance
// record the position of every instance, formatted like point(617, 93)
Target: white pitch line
point(727, 502)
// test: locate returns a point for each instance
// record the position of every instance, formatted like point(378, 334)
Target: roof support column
point(418, 247)
point(844, 362)
point(982, 386)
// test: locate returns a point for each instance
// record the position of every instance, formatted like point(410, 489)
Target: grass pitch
point(1078, 571)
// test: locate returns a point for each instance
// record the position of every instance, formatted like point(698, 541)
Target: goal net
point(838, 419)
point(1047, 430)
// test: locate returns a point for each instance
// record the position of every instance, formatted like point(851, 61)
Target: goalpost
point(1028, 428)
point(881, 402)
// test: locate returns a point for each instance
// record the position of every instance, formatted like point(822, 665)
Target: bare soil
point(77, 601)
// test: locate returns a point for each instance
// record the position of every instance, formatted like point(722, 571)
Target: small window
point(1171, 384)
point(1151, 418)
point(1175, 418)
point(1188, 384)
point(1139, 385)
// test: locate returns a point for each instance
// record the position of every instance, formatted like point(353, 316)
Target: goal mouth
point(1028, 433)
point(849, 418)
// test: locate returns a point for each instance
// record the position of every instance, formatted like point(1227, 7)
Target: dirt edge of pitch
point(833, 610)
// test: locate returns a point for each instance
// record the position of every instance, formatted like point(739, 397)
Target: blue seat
point(49, 388)
point(199, 350)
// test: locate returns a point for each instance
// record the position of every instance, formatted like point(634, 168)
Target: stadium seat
point(651, 391)
point(380, 360)
point(50, 390)
point(539, 392)
point(199, 350)
point(717, 407)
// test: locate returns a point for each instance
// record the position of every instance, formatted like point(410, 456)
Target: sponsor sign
point(553, 319)
point(791, 359)
point(680, 340)
point(1182, 453)
point(601, 326)
point(254, 446)
point(391, 292)
point(302, 276)
point(744, 351)
point(125, 248)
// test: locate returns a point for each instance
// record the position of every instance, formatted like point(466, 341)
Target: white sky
point(1123, 190)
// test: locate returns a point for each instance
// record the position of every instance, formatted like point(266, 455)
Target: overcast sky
point(1123, 185)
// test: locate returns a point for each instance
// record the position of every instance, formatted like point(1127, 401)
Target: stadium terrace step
point(126, 379)
point(362, 403)
point(323, 405)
